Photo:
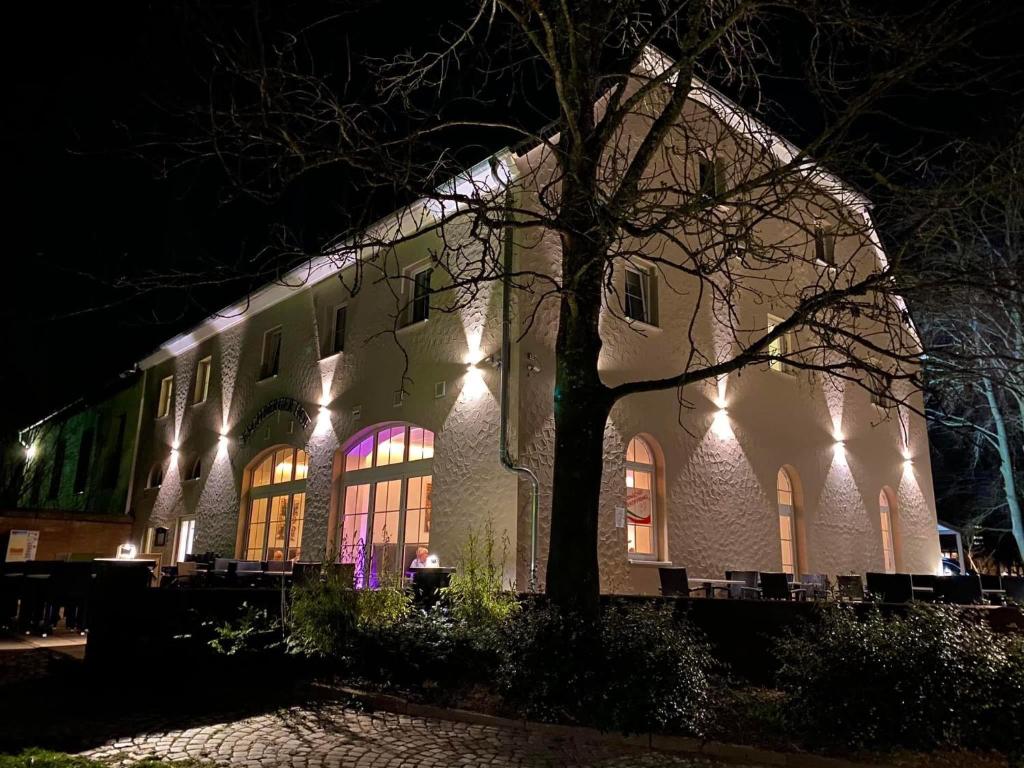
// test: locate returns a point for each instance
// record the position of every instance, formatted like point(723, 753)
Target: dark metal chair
point(891, 587)
point(1014, 586)
point(749, 588)
point(960, 590)
point(850, 587)
point(675, 582)
point(776, 586)
point(816, 584)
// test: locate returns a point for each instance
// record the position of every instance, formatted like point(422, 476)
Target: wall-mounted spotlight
point(531, 364)
point(30, 451)
point(492, 361)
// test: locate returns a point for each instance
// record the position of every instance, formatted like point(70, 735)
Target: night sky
point(85, 85)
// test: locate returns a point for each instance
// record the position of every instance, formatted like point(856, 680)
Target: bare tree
point(974, 331)
point(627, 156)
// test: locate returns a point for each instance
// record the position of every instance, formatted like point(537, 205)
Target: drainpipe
point(506, 363)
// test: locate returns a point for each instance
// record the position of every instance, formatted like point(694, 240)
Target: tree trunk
point(1006, 465)
point(582, 404)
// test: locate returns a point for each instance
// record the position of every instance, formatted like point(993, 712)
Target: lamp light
point(30, 451)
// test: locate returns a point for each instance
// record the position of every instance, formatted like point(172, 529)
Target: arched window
point(386, 489)
point(885, 517)
point(196, 470)
point(787, 523)
point(156, 476)
point(641, 531)
point(277, 501)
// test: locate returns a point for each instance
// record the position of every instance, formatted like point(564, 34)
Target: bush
point(475, 596)
point(254, 631)
point(323, 616)
point(931, 677)
point(639, 670)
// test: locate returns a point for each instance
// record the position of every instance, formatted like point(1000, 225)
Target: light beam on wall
point(721, 426)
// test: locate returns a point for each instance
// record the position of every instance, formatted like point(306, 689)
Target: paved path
point(335, 736)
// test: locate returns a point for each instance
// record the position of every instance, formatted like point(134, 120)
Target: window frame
point(204, 366)
point(885, 522)
point(419, 302)
point(791, 514)
point(165, 397)
point(404, 471)
point(288, 488)
point(825, 245)
point(648, 291)
point(785, 342)
point(179, 555)
point(155, 471)
point(652, 470)
point(265, 372)
point(334, 348)
point(195, 470)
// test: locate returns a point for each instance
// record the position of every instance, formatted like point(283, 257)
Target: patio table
point(710, 584)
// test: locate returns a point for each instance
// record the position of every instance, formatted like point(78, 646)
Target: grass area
point(41, 758)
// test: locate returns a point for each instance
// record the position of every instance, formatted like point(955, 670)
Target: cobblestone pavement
point(334, 736)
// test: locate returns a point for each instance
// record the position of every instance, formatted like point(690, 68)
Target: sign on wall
point(22, 546)
point(288, 405)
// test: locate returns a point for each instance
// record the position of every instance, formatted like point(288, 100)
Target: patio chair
point(924, 586)
point(959, 590)
point(850, 587)
point(775, 586)
point(816, 584)
point(1014, 586)
point(748, 589)
point(675, 583)
point(891, 587)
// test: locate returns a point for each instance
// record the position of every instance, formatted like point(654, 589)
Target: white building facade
point(281, 429)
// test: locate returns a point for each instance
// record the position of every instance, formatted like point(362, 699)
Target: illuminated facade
point(279, 429)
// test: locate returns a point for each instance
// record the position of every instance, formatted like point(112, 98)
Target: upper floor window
point(196, 470)
point(824, 244)
point(202, 380)
point(780, 347)
point(641, 531)
point(84, 459)
point(270, 363)
point(639, 303)
point(338, 329)
point(156, 476)
point(163, 404)
point(710, 176)
point(880, 387)
point(419, 309)
point(57, 471)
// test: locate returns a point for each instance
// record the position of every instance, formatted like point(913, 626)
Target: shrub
point(254, 631)
point(475, 596)
point(933, 676)
point(639, 670)
point(323, 616)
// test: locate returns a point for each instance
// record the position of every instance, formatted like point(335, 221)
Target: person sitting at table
point(421, 559)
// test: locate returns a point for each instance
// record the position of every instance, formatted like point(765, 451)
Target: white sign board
point(22, 546)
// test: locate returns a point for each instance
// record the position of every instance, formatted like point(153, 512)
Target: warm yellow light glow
point(474, 385)
point(721, 425)
point(30, 451)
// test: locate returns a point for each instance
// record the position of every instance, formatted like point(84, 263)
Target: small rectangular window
point(710, 176)
point(638, 295)
point(271, 361)
point(202, 380)
point(163, 406)
point(338, 332)
point(881, 389)
point(84, 460)
point(824, 244)
point(186, 536)
point(780, 347)
point(420, 308)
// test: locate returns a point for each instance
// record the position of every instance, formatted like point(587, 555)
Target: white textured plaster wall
point(470, 487)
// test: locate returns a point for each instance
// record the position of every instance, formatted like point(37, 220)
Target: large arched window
point(787, 523)
point(277, 501)
point(641, 528)
point(885, 519)
point(386, 488)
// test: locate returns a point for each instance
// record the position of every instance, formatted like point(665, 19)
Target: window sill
point(651, 563)
point(331, 355)
point(416, 324)
point(271, 377)
point(642, 326)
